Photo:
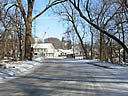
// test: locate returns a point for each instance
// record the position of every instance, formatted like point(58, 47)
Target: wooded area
point(104, 22)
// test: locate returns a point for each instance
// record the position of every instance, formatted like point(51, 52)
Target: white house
point(48, 50)
point(44, 49)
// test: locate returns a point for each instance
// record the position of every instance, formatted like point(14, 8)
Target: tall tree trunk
point(20, 45)
point(124, 56)
point(119, 50)
point(28, 39)
point(106, 52)
point(102, 45)
point(118, 29)
point(91, 44)
point(3, 50)
point(111, 51)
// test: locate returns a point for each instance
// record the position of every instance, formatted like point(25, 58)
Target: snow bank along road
point(69, 78)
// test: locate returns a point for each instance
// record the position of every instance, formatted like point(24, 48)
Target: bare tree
point(6, 19)
point(28, 19)
point(71, 15)
point(77, 4)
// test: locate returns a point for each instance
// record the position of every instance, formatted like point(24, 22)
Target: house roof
point(43, 45)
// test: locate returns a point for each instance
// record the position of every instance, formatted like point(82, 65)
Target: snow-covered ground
point(105, 64)
point(14, 69)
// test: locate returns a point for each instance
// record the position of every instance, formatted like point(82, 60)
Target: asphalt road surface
point(67, 78)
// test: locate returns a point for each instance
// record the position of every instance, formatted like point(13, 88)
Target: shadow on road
point(69, 78)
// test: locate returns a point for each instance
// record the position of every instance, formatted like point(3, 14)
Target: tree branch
point(111, 17)
point(100, 29)
point(47, 7)
point(88, 10)
point(22, 10)
point(126, 3)
point(10, 8)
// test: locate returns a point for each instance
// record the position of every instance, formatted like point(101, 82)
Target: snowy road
point(69, 78)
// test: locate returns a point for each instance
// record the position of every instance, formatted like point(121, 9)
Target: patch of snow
point(103, 64)
point(14, 69)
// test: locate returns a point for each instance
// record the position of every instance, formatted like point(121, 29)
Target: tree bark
point(119, 48)
point(124, 56)
point(28, 39)
point(111, 51)
point(91, 42)
point(102, 46)
point(91, 45)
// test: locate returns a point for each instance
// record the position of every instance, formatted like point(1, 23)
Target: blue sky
point(49, 24)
